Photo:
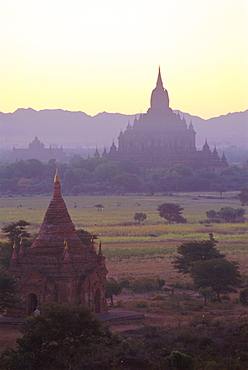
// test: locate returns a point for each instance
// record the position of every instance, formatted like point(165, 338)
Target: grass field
point(133, 248)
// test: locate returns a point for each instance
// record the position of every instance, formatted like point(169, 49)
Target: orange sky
point(103, 55)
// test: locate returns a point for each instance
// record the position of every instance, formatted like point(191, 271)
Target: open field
point(133, 248)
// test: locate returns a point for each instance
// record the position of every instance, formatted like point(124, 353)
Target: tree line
point(99, 175)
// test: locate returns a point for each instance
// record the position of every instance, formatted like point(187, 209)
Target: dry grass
point(133, 248)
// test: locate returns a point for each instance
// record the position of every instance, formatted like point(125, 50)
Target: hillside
point(72, 129)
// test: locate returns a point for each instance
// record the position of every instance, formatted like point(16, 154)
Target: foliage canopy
point(112, 288)
point(171, 212)
point(58, 338)
point(227, 214)
point(243, 196)
point(8, 291)
point(16, 230)
point(139, 216)
point(195, 251)
point(219, 274)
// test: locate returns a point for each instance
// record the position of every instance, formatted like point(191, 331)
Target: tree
point(8, 291)
point(139, 216)
point(99, 207)
point(171, 212)
point(112, 288)
point(207, 294)
point(243, 297)
point(129, 183)
point(227, 214)
point(85, 236)
point(219, 187)
point(243, 196)
point(195, 251)
point(219, 274)
point(16, 230)
point(59, 338)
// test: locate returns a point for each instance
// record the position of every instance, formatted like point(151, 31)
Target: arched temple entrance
point(31, 303)
point(97, 301)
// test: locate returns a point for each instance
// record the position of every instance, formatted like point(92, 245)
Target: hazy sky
point(103, 55)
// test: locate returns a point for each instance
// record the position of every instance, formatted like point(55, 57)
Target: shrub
point(178, 360)
point(145, 284)
point(243, 297)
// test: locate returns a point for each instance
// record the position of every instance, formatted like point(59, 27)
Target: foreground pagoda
point(58, 267)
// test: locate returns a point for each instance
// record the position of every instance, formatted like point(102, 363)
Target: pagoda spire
point(21, 250)
point(160, 97)
point(92, 243)
point(100, 249)
point(56, 176)
point(66, 255)
point(14, 253)
point(159, 80)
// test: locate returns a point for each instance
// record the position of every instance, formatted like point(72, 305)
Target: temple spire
point(159, 80)
point(56, 177)
point(66, 255)
point(160, 97)
point(14, 253)
point(100, 249)
point(92, 243)
point(21, 250)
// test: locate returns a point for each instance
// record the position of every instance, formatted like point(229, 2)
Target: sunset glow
point(96, 56)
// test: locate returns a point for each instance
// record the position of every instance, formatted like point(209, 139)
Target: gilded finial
point(92, 243)
point(14, 253)
point(56, 177)
point(66, 245)
point(100, 248)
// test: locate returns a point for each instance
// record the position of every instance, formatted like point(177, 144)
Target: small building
point(58, 267)
point(36, 149)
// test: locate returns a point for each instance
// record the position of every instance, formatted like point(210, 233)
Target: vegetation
point(208, 267)
point(99, 207)
point(243, 297)
point(58, 338)
point(219, 274)
point(15, 233)
point(85, 237)
point(243, 196)
point(195, 251)
point(209, 342)
point(200, 341)
point(140, 217)
point(100, 176)
point(16, 230)
point(8, 291)
point(113, 287)
point(226, 214)
point(172, 213)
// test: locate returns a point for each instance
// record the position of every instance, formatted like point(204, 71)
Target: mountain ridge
point(76, 128)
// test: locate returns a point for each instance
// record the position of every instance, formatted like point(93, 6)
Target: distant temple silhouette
point(37, 150)
point(161, 138)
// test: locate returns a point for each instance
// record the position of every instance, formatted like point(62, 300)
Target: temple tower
point(159, 97)
point(58, 267)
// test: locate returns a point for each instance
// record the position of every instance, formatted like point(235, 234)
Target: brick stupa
point(58, 267)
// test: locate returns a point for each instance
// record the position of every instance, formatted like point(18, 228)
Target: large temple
point(58, 267)
point(160, 138)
